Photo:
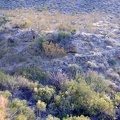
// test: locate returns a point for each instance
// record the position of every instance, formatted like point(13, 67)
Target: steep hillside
point(60, 59)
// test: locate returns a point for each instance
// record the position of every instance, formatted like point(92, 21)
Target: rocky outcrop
point(26, 36)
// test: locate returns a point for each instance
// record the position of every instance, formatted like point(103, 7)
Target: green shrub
point(73, 69)
point(45, 93)
point(82, 117)
point(60, 36)
point(7, 81)
point(6, 94)
point(97, 82)
point(32, 73)
point(12, 82)
point(41, 106)
point(1, 20)
point(118, 72)
point(23, 111)
point(116, 99)
point(50, 117)
point(78, 96)
point(21, 117)
point(40, 41)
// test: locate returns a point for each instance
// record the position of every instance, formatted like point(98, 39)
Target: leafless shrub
point(58, 79)
point(23, 82)
point(52, 50)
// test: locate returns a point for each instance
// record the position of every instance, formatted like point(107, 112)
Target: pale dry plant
point(3, 106)
point(53, 50)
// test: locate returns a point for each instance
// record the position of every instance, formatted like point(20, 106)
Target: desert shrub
point(73, 69)
point(41, 106)
point(7, 81)
point(40, 41)
point(66, 27)
point(63, 34)
point(22, 82)
point(13, 82)
point(60, 36)
point(3, 19)
point(53, 50)
point(6, 94)
point(15, 109)
point(58, 79)
point(23, 111)
point(32, 73)
point(40, 9)
point(78, 98)
point(116, 99)
point(118, 72)
point(21, 117)
point(51, 47)
point(103, 105)
point(50, 117)
point(45, 93)
point(82, 117)
point(97, 81)
point(25, 23)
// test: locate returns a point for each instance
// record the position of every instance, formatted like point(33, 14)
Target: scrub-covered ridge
point(59, 60)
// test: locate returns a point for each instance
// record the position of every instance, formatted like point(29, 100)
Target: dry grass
point(46, 21)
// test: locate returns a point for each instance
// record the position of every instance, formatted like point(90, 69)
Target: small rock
point(109, 47)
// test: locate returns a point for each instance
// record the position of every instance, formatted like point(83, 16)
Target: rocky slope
point(90, 41)
point(99, 50)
